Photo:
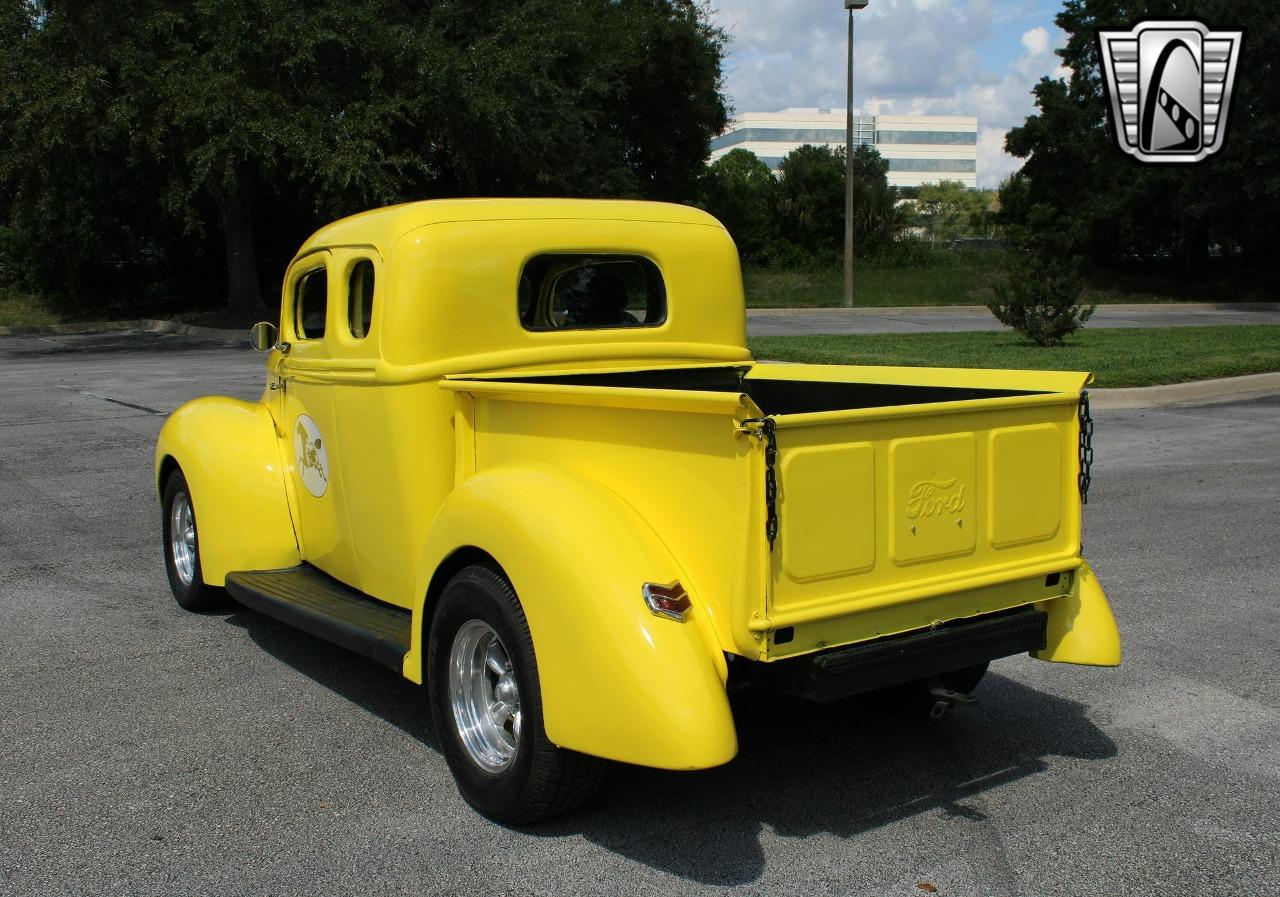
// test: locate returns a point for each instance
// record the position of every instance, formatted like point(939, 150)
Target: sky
point(940, 57)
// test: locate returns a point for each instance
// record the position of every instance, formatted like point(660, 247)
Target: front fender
point(617, 681)
point(230, 455)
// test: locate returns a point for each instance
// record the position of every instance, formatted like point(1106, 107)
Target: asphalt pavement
point(146, 750)
point(969, 318)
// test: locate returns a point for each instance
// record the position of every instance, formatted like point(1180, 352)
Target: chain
point(767, 430)
point(1086, 447)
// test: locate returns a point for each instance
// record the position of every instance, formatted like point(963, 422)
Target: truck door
point(306, 418)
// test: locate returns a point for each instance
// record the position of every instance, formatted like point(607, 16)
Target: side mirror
point(263, 335)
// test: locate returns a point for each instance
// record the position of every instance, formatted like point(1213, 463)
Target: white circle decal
point(312, 459)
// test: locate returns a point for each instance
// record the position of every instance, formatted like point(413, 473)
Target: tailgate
point(895, 516)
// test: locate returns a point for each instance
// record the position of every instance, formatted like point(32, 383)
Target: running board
point(307, 599)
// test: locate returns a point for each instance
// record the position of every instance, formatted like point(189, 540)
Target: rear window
point(578, 291)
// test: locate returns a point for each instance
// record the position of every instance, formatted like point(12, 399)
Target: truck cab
point(519, 452)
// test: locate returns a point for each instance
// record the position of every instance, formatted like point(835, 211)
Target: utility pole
point(850, 6)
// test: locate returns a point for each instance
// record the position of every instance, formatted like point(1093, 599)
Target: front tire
point(486, 702)
point(182, 549)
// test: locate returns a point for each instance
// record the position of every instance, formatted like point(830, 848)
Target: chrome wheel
point(484, 696)
point(182, 538)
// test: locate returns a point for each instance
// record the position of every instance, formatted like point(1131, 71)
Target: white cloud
point(1036, 41)
point(911, 56)
point(994, 163)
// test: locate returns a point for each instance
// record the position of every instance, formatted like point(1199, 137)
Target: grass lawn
point(21, 310)
point(880, 287)
point(18, 309)
point(952, 278)
point(962, 279)
point(1129, 357)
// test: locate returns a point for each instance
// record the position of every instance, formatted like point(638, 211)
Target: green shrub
point(905, 252)
point(1038, 295)
point(787, 255)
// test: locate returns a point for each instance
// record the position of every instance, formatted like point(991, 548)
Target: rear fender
point(617, 681)
point(230, 455)
point(1081, 627)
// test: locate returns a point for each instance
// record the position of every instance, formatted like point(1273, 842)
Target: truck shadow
point(802, 769)
point(805, 769)
point(382, 692)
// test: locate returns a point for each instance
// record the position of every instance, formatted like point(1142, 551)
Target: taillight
point(670, 601)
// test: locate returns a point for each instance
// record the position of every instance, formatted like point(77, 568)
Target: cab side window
point(360, 299)
point(311, 304)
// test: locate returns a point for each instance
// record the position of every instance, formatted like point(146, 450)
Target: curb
point(157, 326)
point(93, 327)
point(147, 325)
point(1199, 392)
point(1122, 308)
point(1224, 389)
point(153, 326)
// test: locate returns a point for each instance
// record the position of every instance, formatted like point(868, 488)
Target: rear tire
point(486, 702)
point(182, 549)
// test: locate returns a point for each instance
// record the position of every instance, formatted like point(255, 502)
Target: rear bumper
point(839, 673)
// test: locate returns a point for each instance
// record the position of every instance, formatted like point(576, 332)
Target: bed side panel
point(688, 474)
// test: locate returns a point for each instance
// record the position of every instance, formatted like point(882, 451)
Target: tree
point(984, 213)
point(1106, 207)
point(1038, 295)
point(64, 194)
point(811, 198)
point(1038, 288)
point(739, 190)
point(876, 218)
point(141, 128)
point(949, 210)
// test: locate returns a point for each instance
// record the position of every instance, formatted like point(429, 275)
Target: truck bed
point(905, 497)
point(779, 395)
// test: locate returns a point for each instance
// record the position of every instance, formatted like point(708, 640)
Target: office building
point(920, 149)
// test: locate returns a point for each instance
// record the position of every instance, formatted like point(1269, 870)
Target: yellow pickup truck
point(519, 452)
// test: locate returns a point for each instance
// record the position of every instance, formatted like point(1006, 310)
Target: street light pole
point(850, 6)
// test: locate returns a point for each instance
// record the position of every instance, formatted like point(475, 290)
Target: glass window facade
point(863, 132)
point(966, 165)
point(938, 138)
point(771, 136)
point(905, 165)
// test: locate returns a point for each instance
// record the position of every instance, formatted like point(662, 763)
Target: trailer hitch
point(945, 698)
